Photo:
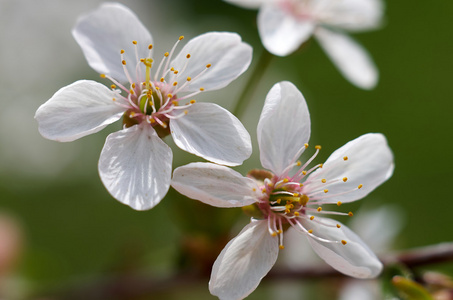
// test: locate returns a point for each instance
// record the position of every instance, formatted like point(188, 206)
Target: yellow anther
point(323, 180)
point(338, 226)
point(304, 172)
point(133, 85)
point(201, 89)
point(175, 83)
point(287, 211)
point(298, 163)
point(123, 62)
point(310, 231)
point(176, 72)
point(339, 203)
point(157, 88)
point(345, 158)
point(181, 37)
point(281, 247)
point(296, 213)
point(312, 218)
point(285, 180)
point(208, 65)
point(152, 120)
point(113, 86)
point(102, 75)
point(169, 95)
point(134, 42)
point(142, 60)
point(319, 209)
point(172, 69)
point(166, 54)
point(131, 91)
point(326, 191)
point(306, 145)
point(122, 51)
point(189, 78)
point(162, 79)
point(279, 201)
point(186, 112)
point(279, 231)
point(296, 194)
point(345, 179)
point(150, 46)
point(192, 101)
point(301, 185)
point(254, 189)
point(321, 165)
point(113, 99)
point(175, 103)
point(344, 242)
point(164, 125)
point(273, 233)
point(318, 147)
point(350, 214)
point(263, 191)
point(132, 114)
point(360, 186)
point(188, 55)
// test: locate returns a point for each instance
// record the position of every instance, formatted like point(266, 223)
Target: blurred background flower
point(77, 237)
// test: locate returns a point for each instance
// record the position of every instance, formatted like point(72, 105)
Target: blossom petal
point(215, 185)
point(280, 32)
point(135, 166)
point(79, 109)
point(353, 15)
point(351, 59)
point(243, 262)
point(228, 56)
point(283, 128)
point(249, 3)
point(369, 163)
point(354, 258)
point(213, 133)
point(104, 32)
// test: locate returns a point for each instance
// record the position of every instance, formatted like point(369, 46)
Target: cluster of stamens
point(154, 99)
point(286, 199)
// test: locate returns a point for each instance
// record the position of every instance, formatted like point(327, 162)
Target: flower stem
point(247, 94)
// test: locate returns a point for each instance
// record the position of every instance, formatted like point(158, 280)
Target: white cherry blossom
point(290, 194)
point(284, 25)
point(154, 99)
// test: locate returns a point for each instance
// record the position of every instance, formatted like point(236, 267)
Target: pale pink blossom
point(284, 25)
point(292, 194)
point(155, 99)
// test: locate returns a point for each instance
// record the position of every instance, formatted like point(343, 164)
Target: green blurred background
point(72, 233)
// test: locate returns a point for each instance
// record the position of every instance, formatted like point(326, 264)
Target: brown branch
point(134, 286)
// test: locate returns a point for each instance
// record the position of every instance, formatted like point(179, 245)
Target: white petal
point(351, 59)
point(213, 133)
point(79, 109)
point(243, 262)
point(249, 3)
point(103, 33)
point(361, 290)
point(369, 163)
point(283, 128)
point(354, 259)
point(228, 56)
point(280, 32)
point(135, 166)
point(355, 15)
point(215, 185)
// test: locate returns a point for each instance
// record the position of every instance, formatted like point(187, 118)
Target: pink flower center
point(287, 200)
point(154, 99)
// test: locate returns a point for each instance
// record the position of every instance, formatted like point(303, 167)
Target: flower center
point(289, 201)
point(154, 99)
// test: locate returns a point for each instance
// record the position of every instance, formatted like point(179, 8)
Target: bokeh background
point(66, 234)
